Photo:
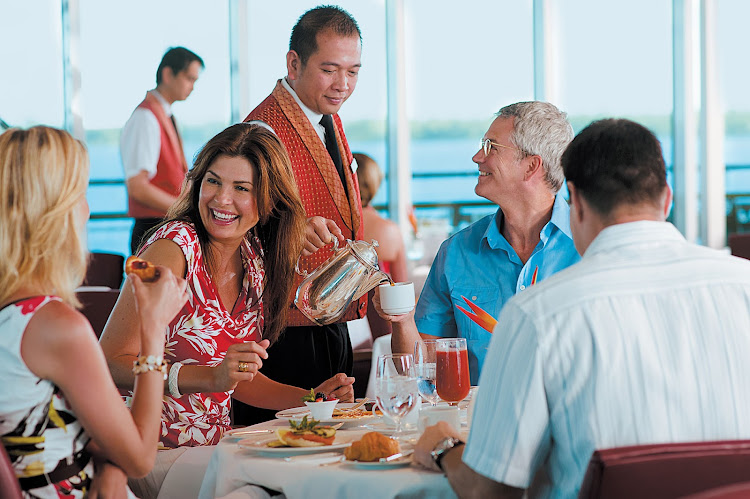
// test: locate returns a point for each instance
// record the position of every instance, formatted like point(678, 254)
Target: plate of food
point(343, 413)
point(376, 451)
point(303, 437)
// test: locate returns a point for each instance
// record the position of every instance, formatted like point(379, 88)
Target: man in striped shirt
point(643, 341)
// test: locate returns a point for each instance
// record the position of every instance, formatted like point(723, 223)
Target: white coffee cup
point(398, 298)
point(429, 416)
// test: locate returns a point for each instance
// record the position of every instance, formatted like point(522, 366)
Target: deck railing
point(464, 212)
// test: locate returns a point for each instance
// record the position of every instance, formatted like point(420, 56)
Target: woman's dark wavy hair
point(281, 224)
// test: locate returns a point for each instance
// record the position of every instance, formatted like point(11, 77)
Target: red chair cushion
point(665, 470)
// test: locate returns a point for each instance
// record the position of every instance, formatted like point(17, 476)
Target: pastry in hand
point(144, 269)
point(372, 447)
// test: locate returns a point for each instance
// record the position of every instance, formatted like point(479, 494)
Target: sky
point(464, 63)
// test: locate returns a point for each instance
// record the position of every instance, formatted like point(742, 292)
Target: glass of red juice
point(453, 383)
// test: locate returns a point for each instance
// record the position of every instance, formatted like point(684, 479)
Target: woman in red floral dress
point(234, 234)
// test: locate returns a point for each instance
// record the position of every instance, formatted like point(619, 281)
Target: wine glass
point(424, 363)
point(452, 373)
point(396, 387)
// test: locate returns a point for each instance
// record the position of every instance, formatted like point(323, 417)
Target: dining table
point(241, 460)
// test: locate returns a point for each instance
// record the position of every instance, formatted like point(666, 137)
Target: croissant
point(371, 447)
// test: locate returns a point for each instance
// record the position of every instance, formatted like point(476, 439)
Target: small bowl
point(321, 410)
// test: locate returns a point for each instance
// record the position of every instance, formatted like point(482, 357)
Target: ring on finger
point(243, 367)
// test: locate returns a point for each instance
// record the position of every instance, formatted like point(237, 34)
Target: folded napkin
point(316, 459)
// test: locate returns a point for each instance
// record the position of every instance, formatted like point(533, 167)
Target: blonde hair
point(43, 174)
point(369, 176)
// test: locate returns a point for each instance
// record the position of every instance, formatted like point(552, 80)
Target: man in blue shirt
point(495, 258)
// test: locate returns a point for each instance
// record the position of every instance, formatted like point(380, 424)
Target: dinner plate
point(260, 445)
point(377, 465)
point(297, 413)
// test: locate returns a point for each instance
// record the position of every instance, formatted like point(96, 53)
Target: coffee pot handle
point(304, 272)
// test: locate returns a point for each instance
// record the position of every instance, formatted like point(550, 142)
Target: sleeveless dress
point(44, 440)
point(201, 334)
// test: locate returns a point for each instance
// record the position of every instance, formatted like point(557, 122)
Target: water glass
point(425, 359)
point(396, 387)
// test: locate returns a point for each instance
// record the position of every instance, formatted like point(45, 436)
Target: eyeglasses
point(486, 146)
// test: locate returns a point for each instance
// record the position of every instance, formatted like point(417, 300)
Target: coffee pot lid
point(365, 251)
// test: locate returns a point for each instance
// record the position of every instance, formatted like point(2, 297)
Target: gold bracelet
point(145, 364)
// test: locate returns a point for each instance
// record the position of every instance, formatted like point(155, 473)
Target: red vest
point(171, 167)
point(317, 180)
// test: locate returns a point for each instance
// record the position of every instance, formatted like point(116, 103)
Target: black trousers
point(303, 356)
point(140, 227)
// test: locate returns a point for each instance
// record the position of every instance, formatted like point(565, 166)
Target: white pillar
point(239, 71)
point(713, 227)
point(684, 157)
point(399, 166)
point(546, 51)
point(71, 56)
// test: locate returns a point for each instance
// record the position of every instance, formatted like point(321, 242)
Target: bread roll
point(372, 447)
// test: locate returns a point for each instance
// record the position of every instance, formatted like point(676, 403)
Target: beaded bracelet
point(145, 364)
point(174, 371)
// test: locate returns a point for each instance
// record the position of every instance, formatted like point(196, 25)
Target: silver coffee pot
point(350, 272)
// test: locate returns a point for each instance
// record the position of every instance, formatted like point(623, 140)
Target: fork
point(354, 407)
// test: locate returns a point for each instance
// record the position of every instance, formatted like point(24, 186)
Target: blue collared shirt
point(480, 264)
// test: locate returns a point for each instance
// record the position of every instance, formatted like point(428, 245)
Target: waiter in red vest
point(323, 63)
point(151, 146)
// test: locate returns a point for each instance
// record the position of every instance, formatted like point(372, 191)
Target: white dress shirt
point(140, 140)
point(646, 340)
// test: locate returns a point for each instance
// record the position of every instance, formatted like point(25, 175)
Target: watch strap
point(442, 448)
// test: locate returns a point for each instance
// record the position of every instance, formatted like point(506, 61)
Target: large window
point(118, 65)
point(614, 60)
point(733, 77)
point(31, 86)
point(464, 62)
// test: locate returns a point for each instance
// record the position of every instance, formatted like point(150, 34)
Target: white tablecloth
point(233, 467)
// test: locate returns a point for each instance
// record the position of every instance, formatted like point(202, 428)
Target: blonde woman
point(60, 413)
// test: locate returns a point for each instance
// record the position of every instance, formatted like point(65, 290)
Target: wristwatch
point(442, 447)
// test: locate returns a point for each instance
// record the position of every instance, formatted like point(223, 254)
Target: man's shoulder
point(268, 105)
point(609, 275)
point(141, 114)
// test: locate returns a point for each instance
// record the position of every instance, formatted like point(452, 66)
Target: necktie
point(332, 146)
point(174, 124)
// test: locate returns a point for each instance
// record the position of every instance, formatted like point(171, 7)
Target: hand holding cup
point(396, 299)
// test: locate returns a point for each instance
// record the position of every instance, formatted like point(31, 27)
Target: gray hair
point(539, 128)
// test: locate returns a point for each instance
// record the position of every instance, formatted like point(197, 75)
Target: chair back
point(97, 305)
point(734, 491)
point(9, 487)
point(665, 470)
point(739, 244)
point(105, 269)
